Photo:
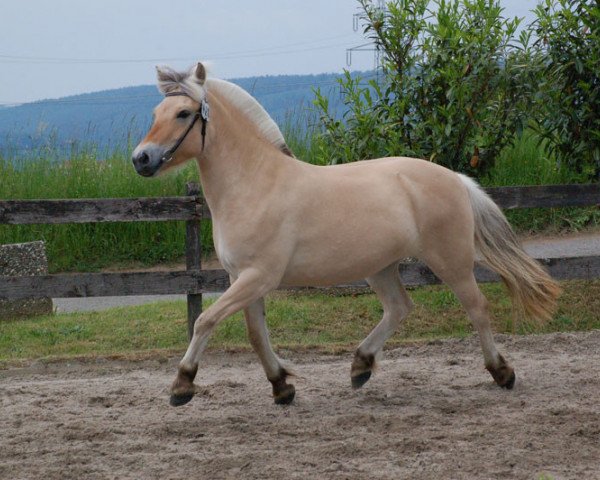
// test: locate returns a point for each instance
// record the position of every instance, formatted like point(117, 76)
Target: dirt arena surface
point(430, 412)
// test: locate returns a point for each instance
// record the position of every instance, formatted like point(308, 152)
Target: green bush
point(569, 41)
point(455, 86)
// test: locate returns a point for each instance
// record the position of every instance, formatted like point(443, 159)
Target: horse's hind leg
point(476, 305)
point(460, 278)
point(258, 334)
point(396, 305)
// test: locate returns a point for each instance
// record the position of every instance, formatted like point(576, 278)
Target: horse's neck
point(237, 164)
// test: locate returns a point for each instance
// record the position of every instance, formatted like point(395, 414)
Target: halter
point(202, 114)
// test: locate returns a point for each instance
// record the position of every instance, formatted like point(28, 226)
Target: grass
point(295, 321)
point(525, 163)
point(88, 247)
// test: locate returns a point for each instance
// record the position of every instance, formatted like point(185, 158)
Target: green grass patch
point(295, 321)
point(526, 163)
point(88, 247)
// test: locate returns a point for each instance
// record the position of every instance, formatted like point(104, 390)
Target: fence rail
point(546, 196)
point(213, 281)
point(20, 212)
point(194, 281)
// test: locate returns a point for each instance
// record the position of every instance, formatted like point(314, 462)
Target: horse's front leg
point(250, 285)
point(283, 393)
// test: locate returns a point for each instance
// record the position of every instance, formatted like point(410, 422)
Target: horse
point(281, 222)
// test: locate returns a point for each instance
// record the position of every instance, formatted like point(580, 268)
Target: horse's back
point(413, 169)
point(401, 186)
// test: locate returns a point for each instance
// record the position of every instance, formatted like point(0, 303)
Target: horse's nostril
point(143, 158)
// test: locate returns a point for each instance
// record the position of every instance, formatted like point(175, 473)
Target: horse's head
point(179, 126)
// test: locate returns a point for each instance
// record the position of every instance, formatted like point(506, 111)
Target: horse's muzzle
point(147, 160)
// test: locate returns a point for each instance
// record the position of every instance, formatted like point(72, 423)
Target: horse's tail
point(529, 285)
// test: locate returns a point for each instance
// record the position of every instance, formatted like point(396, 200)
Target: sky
point(55, 48)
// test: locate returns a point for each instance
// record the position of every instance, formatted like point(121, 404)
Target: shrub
point(568, 36)
point(454, 88)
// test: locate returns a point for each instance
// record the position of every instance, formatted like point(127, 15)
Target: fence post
point(193, 260)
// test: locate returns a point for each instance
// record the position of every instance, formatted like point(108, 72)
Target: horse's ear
point(166, 78)
point(166, 74)
point(200, 73)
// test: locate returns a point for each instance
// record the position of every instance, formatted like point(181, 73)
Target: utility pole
point(366, 47)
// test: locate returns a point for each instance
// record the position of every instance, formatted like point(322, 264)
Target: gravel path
point(93, 304)
point(580, 245)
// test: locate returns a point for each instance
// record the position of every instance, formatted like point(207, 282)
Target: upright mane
point(248, 105)
point(170, 80)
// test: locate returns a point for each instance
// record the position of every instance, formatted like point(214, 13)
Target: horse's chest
point(223, 250)
point(230, 250)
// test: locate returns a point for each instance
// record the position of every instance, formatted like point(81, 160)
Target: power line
point(81, 100)
point(8, 60)
point(267, 51)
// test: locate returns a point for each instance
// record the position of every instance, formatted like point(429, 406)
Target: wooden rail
point(546, 196)
point(20, 212)
point(197, 282)
point(194, 281)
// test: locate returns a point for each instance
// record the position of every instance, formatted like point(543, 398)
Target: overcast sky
point(54, 48)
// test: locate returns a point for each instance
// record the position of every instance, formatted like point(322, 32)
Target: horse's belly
point(345, 257)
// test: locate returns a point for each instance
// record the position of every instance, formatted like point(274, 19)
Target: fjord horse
point(278, 221)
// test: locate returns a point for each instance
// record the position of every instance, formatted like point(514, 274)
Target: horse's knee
point(204, 325)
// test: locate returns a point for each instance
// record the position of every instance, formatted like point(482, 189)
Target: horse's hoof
point(285, 396)
point(510, 383)
point(359, 380)
point(364, 364)
point(179, 400)
point(503, 374)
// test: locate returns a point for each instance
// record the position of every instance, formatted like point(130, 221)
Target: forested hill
point(115, 118)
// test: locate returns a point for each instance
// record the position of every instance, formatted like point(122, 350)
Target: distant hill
point(114, 119)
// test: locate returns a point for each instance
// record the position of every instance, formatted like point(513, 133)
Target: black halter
point(202, 114)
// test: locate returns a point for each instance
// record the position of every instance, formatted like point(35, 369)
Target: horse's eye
point(184, 114)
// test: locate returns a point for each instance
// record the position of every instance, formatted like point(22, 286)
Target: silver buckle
point(204, 110)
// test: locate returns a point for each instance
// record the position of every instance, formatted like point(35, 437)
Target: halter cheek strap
point(202, 113)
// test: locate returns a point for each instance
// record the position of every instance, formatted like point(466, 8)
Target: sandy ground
point(430, 412)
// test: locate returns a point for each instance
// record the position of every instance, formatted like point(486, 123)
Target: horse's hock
point(20, 260)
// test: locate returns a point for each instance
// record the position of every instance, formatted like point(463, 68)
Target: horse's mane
point(170, 80)
point(248, 105)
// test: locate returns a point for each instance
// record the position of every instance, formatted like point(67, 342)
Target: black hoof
point(286, 396)
point(179, 400)
point(511, 382)
point(359, 380)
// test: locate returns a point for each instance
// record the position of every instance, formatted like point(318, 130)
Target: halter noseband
point(202, 114)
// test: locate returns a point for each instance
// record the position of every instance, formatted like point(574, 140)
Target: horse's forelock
point(170, 80)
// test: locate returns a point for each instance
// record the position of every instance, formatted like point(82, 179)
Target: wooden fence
point(194, 281)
